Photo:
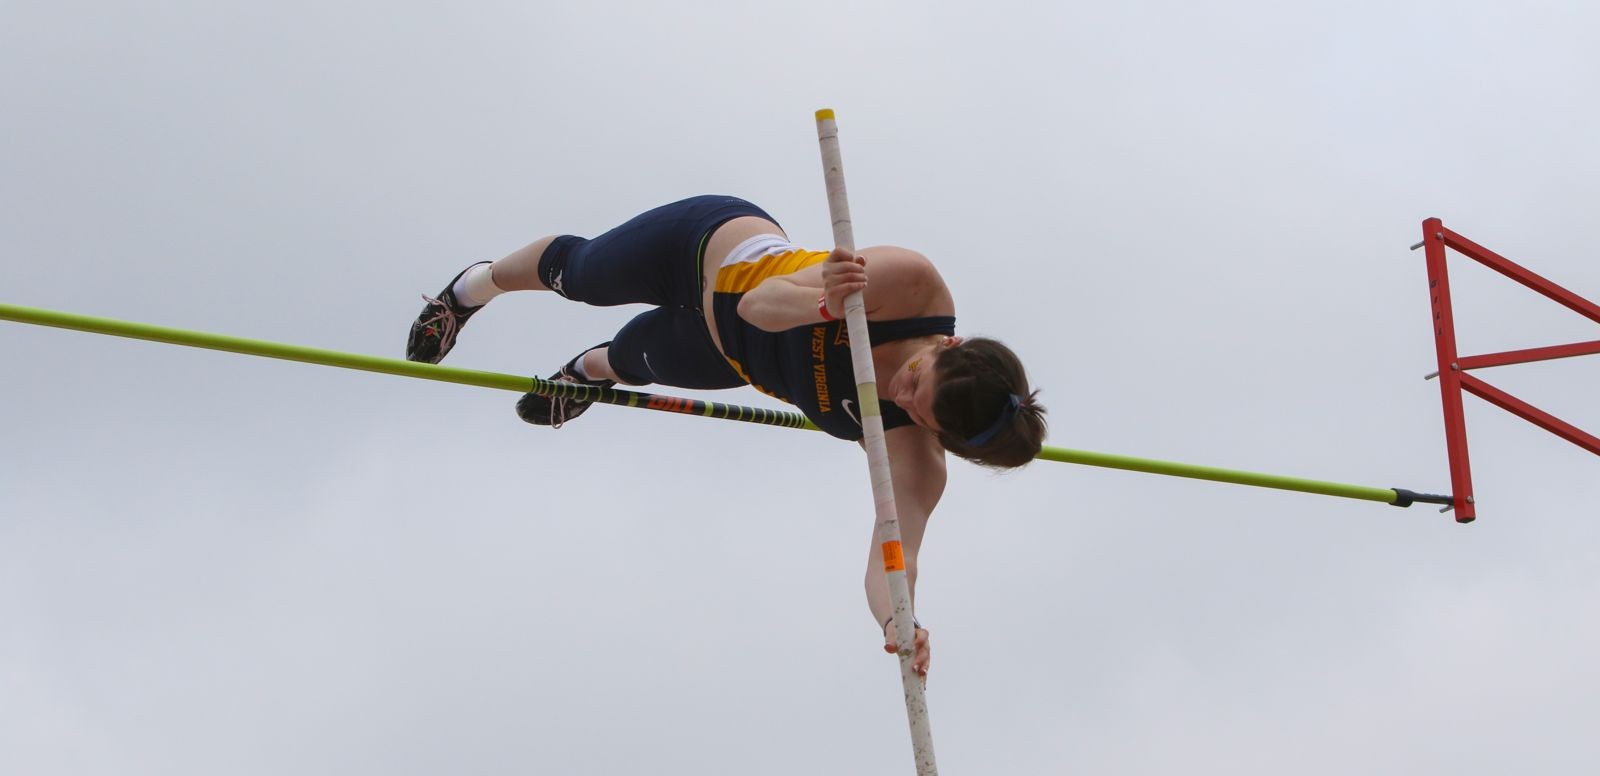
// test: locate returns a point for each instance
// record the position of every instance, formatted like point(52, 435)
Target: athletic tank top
point(806, 366)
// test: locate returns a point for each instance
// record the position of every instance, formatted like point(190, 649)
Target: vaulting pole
point(888, 525)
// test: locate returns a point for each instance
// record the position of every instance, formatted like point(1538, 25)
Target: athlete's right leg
point(435, 330)
point(520, 270)
point(651, 259)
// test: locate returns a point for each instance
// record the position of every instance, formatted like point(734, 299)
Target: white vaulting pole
point(887, 533)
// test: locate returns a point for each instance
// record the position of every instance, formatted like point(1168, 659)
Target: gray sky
point(1190, 221)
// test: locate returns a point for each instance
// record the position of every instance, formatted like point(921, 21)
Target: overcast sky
point(1191, 221)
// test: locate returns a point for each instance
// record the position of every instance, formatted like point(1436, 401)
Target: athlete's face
point(914, 384)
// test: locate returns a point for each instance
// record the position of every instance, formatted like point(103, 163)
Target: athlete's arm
point(905, 285)
point(780, 303)
point(783, 302)
point(918, 471)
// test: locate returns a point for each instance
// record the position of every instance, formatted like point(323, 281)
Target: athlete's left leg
point(666, 346)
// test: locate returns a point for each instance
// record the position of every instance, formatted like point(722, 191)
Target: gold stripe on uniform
point(742, 276)
point(738, 367)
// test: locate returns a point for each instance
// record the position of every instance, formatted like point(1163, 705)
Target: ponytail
point(983, 406)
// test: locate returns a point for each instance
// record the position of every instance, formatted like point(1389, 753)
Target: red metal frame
point(1453, 377)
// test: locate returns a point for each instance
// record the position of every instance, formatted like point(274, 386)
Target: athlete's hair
point(983, 405)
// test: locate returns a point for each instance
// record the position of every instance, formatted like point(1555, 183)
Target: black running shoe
point(434, 332)
point(554, 411)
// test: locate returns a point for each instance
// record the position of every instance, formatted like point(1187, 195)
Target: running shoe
point(553, 411)
point(435, 330)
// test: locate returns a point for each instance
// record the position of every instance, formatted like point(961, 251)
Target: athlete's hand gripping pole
point(888, 524)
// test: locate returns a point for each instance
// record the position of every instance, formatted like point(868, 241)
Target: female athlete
point(736, 304)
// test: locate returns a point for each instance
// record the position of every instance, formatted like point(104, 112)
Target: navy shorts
point(655, 258)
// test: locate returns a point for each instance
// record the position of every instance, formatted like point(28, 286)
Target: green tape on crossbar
point(1192, 471)
point(401, 367)
point(718, 410)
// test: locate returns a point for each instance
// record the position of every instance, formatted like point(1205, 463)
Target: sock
point(476, 286)
point(577, 367)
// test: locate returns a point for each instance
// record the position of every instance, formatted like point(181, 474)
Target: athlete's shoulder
point(903, 283)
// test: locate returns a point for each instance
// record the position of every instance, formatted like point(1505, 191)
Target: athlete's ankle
point(595, 365)
point(476, 286)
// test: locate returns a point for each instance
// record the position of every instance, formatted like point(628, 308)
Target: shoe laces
point(446, 318)
point(558, 404)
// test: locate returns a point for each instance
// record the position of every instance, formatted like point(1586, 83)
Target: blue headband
point(1006, 414)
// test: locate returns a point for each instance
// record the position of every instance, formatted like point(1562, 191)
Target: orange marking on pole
point(670, 404)
point(893, 558)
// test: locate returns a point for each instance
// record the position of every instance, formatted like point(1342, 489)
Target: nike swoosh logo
point(849, 410)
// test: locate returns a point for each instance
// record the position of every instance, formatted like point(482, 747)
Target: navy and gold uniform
point(807, 366)
point(656, 258)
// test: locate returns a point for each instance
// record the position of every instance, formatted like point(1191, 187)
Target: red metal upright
point(1444, 345)
point(1452, 368)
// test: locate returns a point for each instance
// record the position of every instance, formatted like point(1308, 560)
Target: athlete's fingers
point(842, 256)
point(843, 270)
point(890, 642)
point(838, 294)
point(838, 291)
point(923, 656)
